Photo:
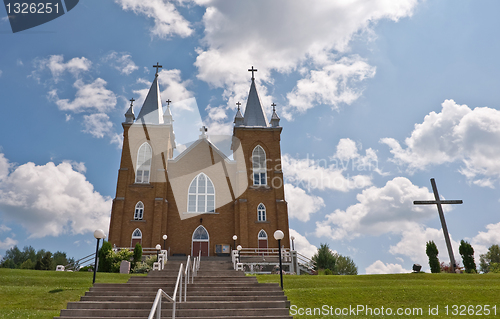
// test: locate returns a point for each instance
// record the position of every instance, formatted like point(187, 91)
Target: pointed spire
point(238, 119)
point(167, 116)
point(254, 114)
point(275, 119)
point(152, 111)
point(130, 116)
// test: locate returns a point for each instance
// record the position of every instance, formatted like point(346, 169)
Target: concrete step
point(167, 313)
point(183, 305)
point(211, 298)
point(218, 317)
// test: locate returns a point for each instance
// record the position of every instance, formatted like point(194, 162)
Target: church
point(204, 195)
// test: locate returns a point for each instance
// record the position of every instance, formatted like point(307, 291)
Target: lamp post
point(278, 235)
point(158, 248)
point(234, 240)
point(164, 242)
point(293, 245)
point(98, 234)
point(239, 252)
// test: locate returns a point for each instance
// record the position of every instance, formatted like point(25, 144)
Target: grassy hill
point(42, 294)
point(398, 291)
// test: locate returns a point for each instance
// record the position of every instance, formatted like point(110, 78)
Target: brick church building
point(201, 197)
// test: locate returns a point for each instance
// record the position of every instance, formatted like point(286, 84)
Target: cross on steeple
point(168, 102)
point(438, 203)
point(157, 66)
point(252, 70)
point(274, 107)
point(203, 130)
point(131, 101)
point(238, 103)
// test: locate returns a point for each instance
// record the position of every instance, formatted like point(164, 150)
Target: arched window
point(262, 235)
point(201, 195)
point(259, 166)
point(136, 237)
point(261, 212)
point(200, 234)
point(139, 211)
point(144, 156)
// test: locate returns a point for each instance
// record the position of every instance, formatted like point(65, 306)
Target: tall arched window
point(259, 166)
point(201, 195)
point(261, 212)
point(136, 237)
point(144, 156)
point(139, 211)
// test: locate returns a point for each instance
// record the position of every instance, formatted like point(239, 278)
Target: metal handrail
point(186, 275)
point(156, 308)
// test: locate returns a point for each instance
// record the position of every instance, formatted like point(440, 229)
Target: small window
point(261, 213)
point(139, 211)
point(259, 166)
point(200, 234)
point(137, 233)
point(201, 195)
point(143, 166)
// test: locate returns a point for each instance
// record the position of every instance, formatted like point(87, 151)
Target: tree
point(432, 252)
point(45, 262)
point(324, 258)
point(59, 258)
point(467, 253)
point(105, 257)
point(137, 255)
point(344, 265)
point(491, 257)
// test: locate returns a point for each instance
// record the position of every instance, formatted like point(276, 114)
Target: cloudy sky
point(375, 98)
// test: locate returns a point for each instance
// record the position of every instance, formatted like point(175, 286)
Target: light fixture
point(234, 241)
point(98, 234)
point(164, 242)
point(278, 235)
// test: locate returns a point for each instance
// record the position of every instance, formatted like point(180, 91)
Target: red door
point(136, 241)
point(263, 246)
point(200, 245)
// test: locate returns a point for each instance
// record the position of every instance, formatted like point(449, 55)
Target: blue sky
point(404, 90)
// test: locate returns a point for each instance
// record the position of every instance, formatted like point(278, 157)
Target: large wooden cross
point(439, 203)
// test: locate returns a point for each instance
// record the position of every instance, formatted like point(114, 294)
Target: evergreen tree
point(344, 265)
point(324, 258)
point(432, 252)
point(137, 255)
point(105, 255)
point(45, 262)
point(491, 257)
point(467, 253)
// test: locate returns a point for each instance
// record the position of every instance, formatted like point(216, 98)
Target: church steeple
point(238, 119)
point(152, 111)
point(275, 119)
point(130, 116)
point(254, 114)
point(167, 116)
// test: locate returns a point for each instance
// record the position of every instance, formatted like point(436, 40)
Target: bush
point(488, 259)
point(324, 258)
point(87, 268)
point(116, 258)
point(328, 272)
point(344, 265)
point(105, 262)
point(432, 252)
point(144, 266)
point(28, 264)
point(467, 253)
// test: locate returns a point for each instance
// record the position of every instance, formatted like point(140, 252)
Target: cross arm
point(429, 202)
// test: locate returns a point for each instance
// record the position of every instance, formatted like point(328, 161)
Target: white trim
point(197, 194)
point(264, 213)
point(135, 211)
point(139, 163)
point(200, 240)
point(261, 169)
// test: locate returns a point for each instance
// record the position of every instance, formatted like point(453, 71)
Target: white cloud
point(121, 61)
point(8, 243)
point(167, 20)
point(333, 84)
point(279, 43)
point(380, 267)
point(4, 228)
point(300, 204)
point(4, 166)
point(97, 124)
point(68, 117)
point(57, 66)
point(1, 73)
point(322, 174)
point(176, 89)
point(88, 96)
point(50, 200)
point(388, 209)
point(484, 239)
point(302, 245)
point(456, 134)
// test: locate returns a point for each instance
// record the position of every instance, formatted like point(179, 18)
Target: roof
point(151, 111)
point(254, 114)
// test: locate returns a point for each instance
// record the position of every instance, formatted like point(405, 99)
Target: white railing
point(184, 274)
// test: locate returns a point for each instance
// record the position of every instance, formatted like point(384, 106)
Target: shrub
point(324, 258)
point(144, 266)
point(492, 256)
point(137, 255)
point(105, 263)
point(432, 252)
point(328, 271)
point(467, 253)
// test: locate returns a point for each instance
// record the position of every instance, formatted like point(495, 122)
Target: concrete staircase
point(217, 292)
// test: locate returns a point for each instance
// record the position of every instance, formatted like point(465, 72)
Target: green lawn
point(42, 294)
point(393, 291)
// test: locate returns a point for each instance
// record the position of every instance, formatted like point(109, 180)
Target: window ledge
point(198, 213)
point(260, 187)
point(262, 222)
point(138, 220)
point(143, 185)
